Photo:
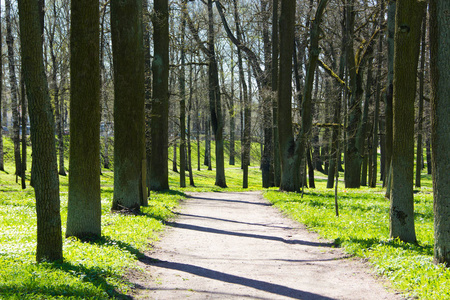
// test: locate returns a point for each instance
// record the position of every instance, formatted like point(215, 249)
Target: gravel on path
point(238, 246)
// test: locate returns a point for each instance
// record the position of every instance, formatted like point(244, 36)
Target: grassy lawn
point(95, 270)
point(362, 229)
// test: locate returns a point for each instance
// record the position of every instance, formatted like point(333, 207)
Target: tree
point(159, 173)
point(266, 94)
point(128, 60)
point(2, 166)
point(440, 101)
point(215, 104)
point(289, 161)
point(182, 81)
point(408, 20)
point(419, 153)
point(13, 86)
point(392, 7)
point(275, 134)
point(84, 204)
point(44, 172)
point(54, 86)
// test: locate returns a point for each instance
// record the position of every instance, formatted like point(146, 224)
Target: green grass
point(96, 270)
point(90, 270)
point(362, 229)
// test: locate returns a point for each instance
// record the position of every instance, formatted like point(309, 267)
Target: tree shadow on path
point(233, 279)
point(248, 235)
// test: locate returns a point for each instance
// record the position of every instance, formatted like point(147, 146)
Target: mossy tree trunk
point(440, 70)
point(408, 20)
point(128, 60)
point(44, 171)
point(159, 173)
point(84, 204)
point(289, 161)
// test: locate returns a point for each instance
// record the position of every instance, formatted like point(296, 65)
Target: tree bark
point(375, 139)
point(419, 152)
point(148, 89)
point(389, 95)
point(408, 20)
point(84, 204)
point(129, 95)
point(266, 94)
point(440, 78)
point(275, 64)
point(289, 161)
point(215, 104)
point(44, 171)
point(159, 173)
point(14, 88)
point(189, 162)
point(23, 103)
point(2, 165)
point(182, 81)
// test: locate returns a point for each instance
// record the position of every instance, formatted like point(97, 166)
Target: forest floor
point(238, 246)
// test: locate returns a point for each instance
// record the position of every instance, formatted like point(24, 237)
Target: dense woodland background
point(315, 84)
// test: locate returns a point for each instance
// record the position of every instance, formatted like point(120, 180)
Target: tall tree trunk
point(408, 20)
point(247, 134)
point(389, 94)
point(275, 63)
point(335, 149)
point(189, 160)
point(2, 165)
point(182, 81)
point(267, 155)
point(440, 67)
point(44, 171)
point(215, 104)
point(232, 113)
point(159, 173)
point(374, 167)
point(13, 87)
point(362, 130)
point(289, 161)
point(23, 103)
point(419, 153)
point(148, 88)
point(353, 151)
point(56, 91)
point(129, 95)
point(84, 204)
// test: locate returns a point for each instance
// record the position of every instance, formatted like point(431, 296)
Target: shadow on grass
point(36, 287)
point(368, 243)
point(108, 241)
point(94, 275)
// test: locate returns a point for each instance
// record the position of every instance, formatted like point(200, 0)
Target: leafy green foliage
point(362, 229)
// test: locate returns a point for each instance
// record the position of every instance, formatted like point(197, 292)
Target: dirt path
point(237, 246)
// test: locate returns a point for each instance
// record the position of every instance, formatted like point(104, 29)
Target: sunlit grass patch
point(362, 229)
point(91, 269)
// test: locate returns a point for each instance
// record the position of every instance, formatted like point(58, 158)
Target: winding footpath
point(237, 246)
